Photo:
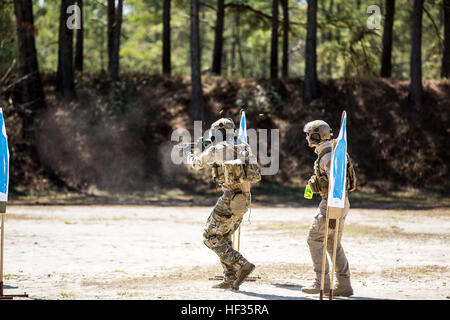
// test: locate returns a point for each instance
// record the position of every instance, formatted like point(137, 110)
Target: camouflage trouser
point(315, 242)
point(221, 225)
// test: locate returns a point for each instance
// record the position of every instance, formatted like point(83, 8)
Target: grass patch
point(15, 216)
point(67, 294)
point(417, 271)
point(128, 294)
point(357, 230)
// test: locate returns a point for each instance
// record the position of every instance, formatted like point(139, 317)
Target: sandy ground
point(145, 252)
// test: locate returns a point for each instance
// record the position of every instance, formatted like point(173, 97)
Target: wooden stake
point(232, 241)
point(333, 263)
point(239, 238)
point(324, 256)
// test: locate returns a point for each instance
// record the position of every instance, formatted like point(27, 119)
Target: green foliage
point(345, 46)
point(261, 99)
point(8, 47)
point(46, 19)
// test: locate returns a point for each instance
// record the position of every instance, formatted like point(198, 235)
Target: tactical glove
point(314, 184)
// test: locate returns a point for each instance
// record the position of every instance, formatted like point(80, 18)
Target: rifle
point(200, 144)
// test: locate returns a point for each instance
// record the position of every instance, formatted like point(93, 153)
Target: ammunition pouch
point(233, 171)
point(323, 184)
point(318, 184)
point(314, 184)
point(351, 175)
point(236, 171)
point(239, 203)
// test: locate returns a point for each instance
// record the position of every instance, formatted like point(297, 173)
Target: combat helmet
point(223, 123)
point(318, 130)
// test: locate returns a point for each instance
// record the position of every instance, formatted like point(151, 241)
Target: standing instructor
point(318, 136)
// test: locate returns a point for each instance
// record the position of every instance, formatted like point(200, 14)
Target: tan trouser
point(315, 242)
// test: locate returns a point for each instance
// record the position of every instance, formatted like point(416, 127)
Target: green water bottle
point(308, 193)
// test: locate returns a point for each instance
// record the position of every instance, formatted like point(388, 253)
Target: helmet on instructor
point(318, 131)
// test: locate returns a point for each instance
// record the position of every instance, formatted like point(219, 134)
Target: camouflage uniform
point(229, 209)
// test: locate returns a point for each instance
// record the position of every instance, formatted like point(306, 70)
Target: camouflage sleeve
point(202, 160)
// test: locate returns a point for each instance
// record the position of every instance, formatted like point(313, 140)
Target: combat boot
point(343, 288)
point(225, 284)
point(315, 287)
point(242, 274)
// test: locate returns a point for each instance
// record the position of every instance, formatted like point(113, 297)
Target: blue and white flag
point(4, 159)
point(338, 169)
point(243, 128)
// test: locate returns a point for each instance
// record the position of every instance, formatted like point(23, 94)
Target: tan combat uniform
point(230, 207)
point(317, 228)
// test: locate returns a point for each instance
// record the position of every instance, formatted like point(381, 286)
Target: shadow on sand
point(298, 288)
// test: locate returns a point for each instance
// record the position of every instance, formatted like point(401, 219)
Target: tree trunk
point(285, 67)
point(337, 35)
point(31, 90)
point(29, 93)
point(111, 18)
point(196, 106)
point(79, 43)
point(445, 73)
point(116, 42)
point(329, 37)
point(218, 39)
point(239, 47)
point(166, 38)
point(330, 11)
point(415, 90)
point(65, 87)
point(225, 63)
point(311, 91)
point(233, 49)
point(274, 43)
point(386, 64)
